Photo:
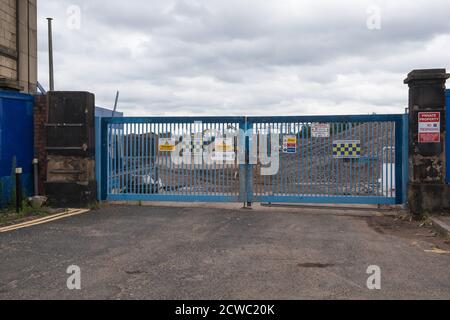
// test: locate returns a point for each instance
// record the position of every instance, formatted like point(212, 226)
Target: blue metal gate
point(353, 159)
point(447, 136)
point(135, 165)
point(309, 159)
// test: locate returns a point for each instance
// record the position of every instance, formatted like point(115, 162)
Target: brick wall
point(18, 45)
point(8, 46)
point(40, 119)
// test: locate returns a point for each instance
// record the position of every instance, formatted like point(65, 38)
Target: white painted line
point(70, 213)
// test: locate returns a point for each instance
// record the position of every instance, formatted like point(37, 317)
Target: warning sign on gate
point(289, 144)
point(320, 130)
point(347, 149)
point(429, 127)
point(166, 145)
point(224, 145)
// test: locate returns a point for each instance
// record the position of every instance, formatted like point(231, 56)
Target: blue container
point(16, 143)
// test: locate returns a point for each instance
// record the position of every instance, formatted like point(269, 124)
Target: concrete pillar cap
point(427, 74)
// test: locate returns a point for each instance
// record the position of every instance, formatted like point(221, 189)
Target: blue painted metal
point(98, 155)
point(447, 130)
point(331, 199)
point(405, 153)
point(16, 143)
point(134, 168)
point(314, 176)
point(99, 114)
point(171, 197)
point(399, 162)
point(130, 156)
point(249, 167)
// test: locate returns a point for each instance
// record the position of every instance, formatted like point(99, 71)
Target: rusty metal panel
point(70, 127)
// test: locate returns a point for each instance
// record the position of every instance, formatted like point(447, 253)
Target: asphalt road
point(210, 253)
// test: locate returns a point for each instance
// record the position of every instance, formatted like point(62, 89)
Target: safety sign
point(224, 145)
point(429, 127)
point(166, 145)
point(347, 149)
point(320, 130)
point(224, 150)
point(290, 144)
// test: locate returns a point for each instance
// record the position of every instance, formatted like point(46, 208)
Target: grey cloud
point(234, 57)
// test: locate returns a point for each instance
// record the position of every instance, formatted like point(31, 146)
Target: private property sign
point(429, 127)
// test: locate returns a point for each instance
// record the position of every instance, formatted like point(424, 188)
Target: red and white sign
point(429, 127)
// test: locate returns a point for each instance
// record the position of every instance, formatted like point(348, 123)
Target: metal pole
point(18, 190)
point(36, 177)
point(50, 54)
point(115, 104)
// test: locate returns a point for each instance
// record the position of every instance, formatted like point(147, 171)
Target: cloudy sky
point(244, 57)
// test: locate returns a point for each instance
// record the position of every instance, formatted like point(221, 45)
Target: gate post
point(447, 136)
point(103, 158)
point(427, 191)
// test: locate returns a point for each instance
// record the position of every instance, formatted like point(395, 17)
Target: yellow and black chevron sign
point(346, 149)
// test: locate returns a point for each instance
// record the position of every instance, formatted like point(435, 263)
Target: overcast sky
point(244, 57)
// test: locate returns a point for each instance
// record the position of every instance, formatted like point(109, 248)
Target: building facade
point(18, 45)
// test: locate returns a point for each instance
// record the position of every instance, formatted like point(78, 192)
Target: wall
point(41, 119)
point(18, 45)
point(8, 41)
point(16, 143)
point(40, 153)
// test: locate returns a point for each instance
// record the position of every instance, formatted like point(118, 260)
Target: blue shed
point(16, 143)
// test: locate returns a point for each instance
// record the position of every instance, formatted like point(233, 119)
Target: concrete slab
point(339, 210)
point(441, 224)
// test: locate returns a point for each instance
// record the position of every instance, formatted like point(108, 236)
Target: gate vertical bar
point(98, 156)
point(243, 162)
point(405, 153)
point(104, 159)
point(399, 161)
point(250, 166)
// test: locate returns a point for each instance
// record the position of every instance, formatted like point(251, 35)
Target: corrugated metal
point(104, 113)
point(16, 142)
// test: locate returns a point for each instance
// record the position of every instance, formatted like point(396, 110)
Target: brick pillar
point(40, 119)
point(427, 191)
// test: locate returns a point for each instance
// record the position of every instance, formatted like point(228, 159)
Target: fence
point(356, 159)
